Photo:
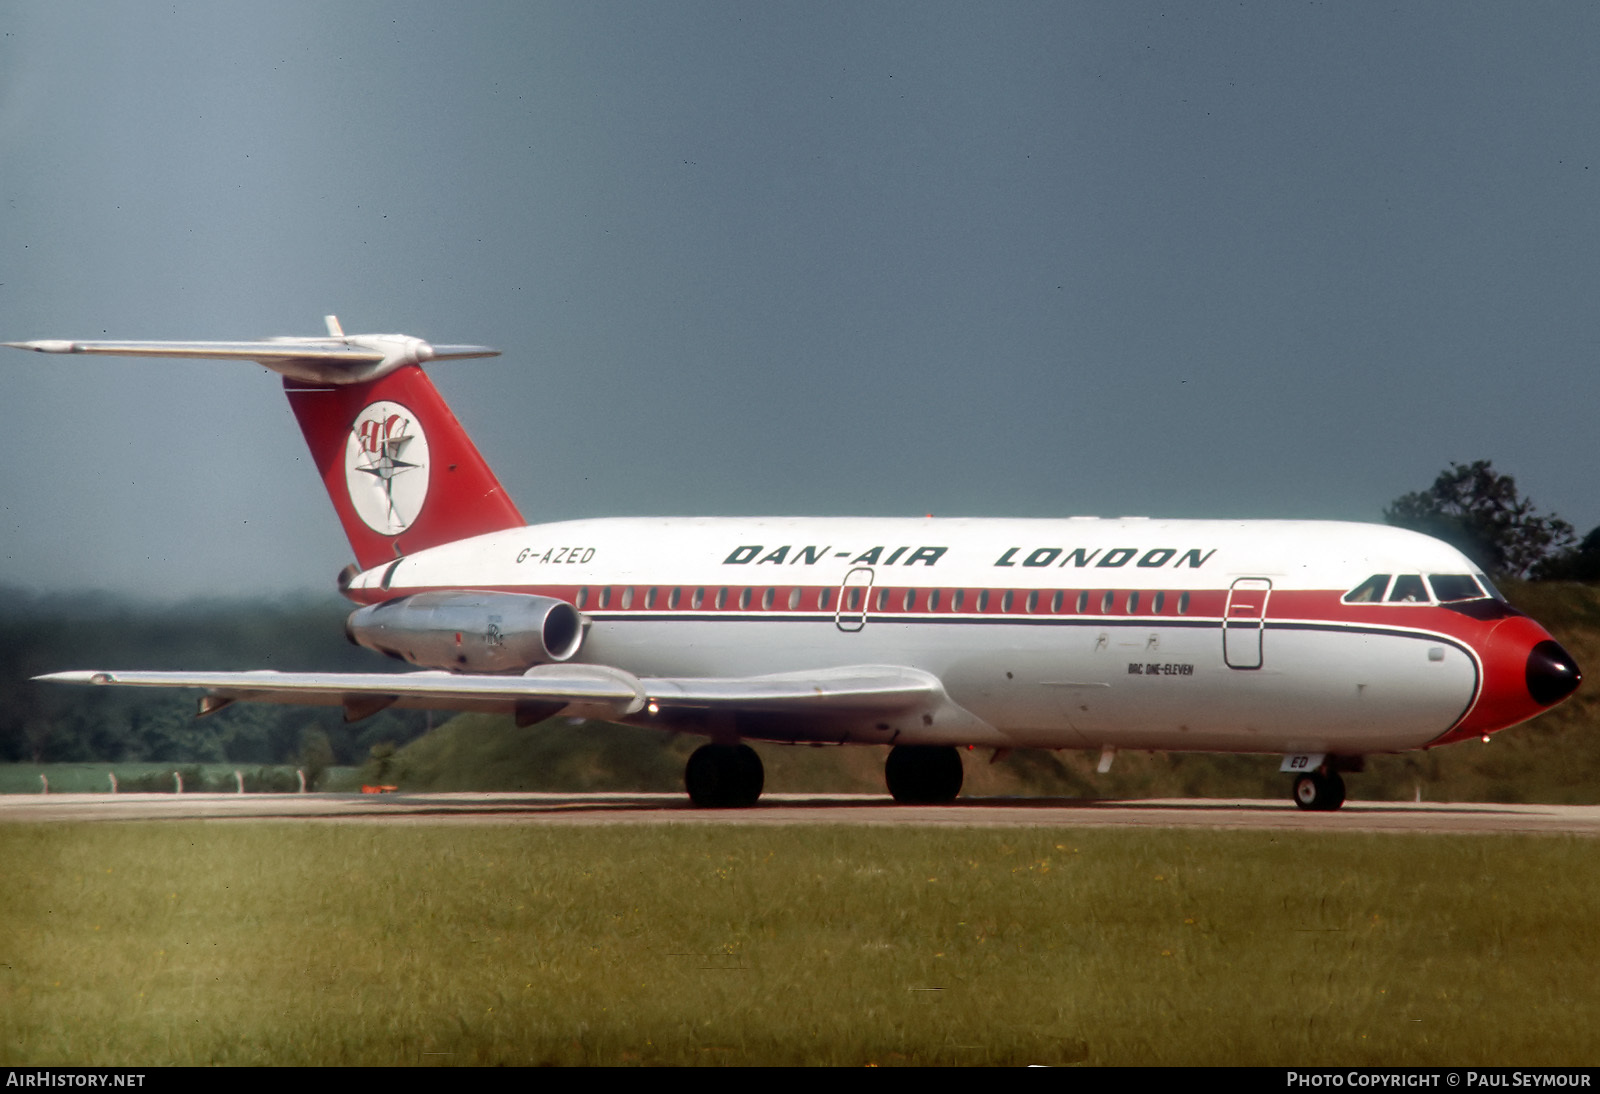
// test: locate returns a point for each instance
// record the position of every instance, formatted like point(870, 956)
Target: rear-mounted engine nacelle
point(470, 632)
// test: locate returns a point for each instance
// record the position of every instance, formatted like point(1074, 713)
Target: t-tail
point(401, 472)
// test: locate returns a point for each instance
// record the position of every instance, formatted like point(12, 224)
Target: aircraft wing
point(825, 704)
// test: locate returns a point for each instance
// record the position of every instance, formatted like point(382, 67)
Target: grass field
point(145, 944)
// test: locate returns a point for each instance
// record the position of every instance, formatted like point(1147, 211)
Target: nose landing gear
point(1318, 791)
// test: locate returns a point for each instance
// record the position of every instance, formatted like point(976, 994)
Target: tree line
point(1480, 512)
point(58, 723)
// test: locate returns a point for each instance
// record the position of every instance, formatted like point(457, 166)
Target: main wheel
point(923, 774)
point(724, 776)
point(1318, 792)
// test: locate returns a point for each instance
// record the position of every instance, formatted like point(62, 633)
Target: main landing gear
point(731, 776)
point(1319, 791)
point(724, 776)
point(923, 774)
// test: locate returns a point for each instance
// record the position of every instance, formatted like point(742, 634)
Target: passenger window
point(1408, 589)
point(883, 600)
point(911, 600)
point(1005, 601)
point(697, 599)
point(650, 598)
point(1449, 587)
point(1369, 591)
point(766, 600)
point(1033, 601)
point(1183, 603)
point(672, 597)
point(744, 600)
point(1056, 601)
point(933, 600)
point(1105, 602)
point(583, 595)
point(794, 598)
point(605, 597)
point(983, 601)
point(823, 599)
point(1083, 602)
point(955, 601)
point(627, 597)
point(1159, 603)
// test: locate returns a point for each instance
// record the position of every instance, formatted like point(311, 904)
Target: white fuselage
point(1075, 633)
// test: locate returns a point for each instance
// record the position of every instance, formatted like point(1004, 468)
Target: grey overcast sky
point(1245, 260)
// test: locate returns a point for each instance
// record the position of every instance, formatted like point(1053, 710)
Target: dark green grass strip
point(145, 944)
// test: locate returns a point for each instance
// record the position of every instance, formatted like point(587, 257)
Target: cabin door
point(1243, 622)
point(851, 615)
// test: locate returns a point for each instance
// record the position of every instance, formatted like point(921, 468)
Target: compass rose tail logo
point(386, 467)
point(401, 472)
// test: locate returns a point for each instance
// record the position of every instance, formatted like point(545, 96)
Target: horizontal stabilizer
point(340, 359)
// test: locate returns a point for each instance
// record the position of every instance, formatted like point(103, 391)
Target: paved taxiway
point(864, 809)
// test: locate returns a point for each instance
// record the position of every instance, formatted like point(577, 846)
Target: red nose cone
point(1524, 673)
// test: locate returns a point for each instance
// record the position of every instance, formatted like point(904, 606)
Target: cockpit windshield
point(1369, 591)
point(1408, 589)
point(1412, 589)
point(1452, 587)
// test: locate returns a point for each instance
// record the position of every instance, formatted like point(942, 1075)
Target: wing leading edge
point(878, 703)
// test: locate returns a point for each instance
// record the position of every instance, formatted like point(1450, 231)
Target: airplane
point(1321, 642)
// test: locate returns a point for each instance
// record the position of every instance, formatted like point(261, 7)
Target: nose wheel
point(1319, 792)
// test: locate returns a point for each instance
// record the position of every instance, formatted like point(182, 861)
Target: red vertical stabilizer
point(402, 473)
